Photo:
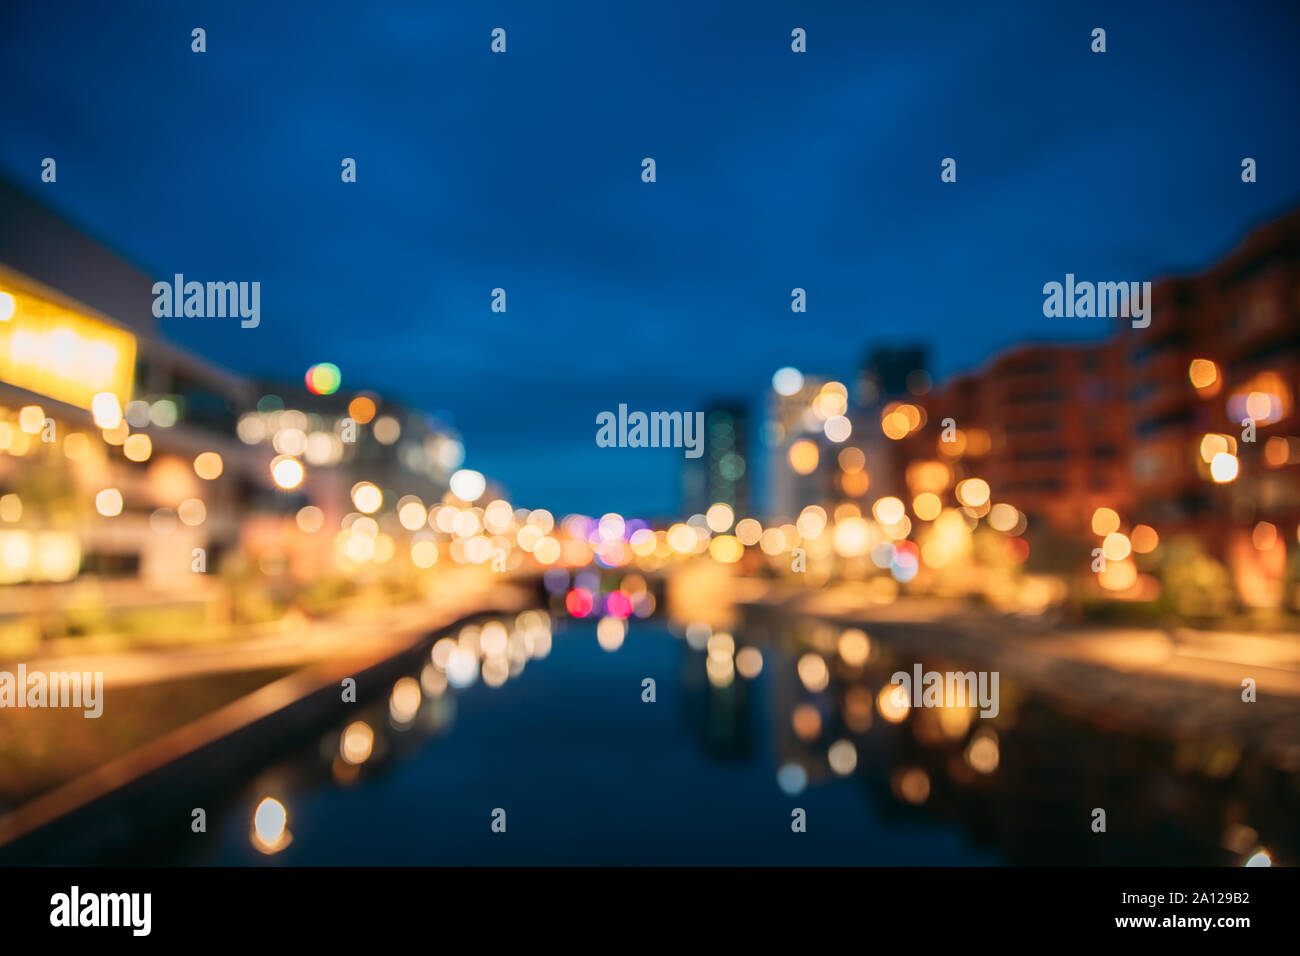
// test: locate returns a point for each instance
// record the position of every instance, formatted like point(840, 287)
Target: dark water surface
point(587, 773)
point(711, 772)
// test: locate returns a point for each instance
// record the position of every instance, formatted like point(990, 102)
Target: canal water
point(586, 772)
point(780, 745)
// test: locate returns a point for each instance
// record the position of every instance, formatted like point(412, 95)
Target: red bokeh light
point(578, 602)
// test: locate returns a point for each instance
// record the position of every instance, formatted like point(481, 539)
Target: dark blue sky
point(522, 171)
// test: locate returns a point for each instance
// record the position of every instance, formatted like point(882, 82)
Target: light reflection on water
point(585, 768)
point(744, 730)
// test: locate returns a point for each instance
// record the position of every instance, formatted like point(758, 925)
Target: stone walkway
point(1183, 682)
point(326, 650)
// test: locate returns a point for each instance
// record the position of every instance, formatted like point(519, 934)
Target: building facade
point(126, 459)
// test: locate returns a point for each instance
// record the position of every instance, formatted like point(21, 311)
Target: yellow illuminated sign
point(69, 357)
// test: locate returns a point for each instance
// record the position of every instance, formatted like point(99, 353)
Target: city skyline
point(866, 392)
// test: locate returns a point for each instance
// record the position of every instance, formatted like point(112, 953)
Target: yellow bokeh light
point(310, 519)
point(359, 548)
point(498, 516)
point(643, 542)
point(547, 550)
point(610, 633)
point(806, 721)
point(412, 515)
point(1223, 468)
point(1203, 373)
point(812, 522)
point(528, 536)
point(1105, 521)
point(749, 662)
point(912, 784)
point(852, 536)
point(854, 647)
point(404, 700)
point(576, 553)
point(1277, 451)
point(804, 457)
point(1260, 407)
point(465, 524)
point(467, 485)
point(357, 742)
point(852, 460)
point(424, 553)
point(1116, 546)
point(831, 401)
point(956, 446)
point(813, 673)
point(982, 752)
point(192, 512)
point(927, 506)
point(977, 442)
point(893, 704)
point(611, 526)
point(894, 425)
point(928, 476)
point(888, 510)
point(286, 472)
point(361, 410)
point(749, 530)
point(855, 483)
point(772, 542)
point(838, 428)
point(1212, 444)
point(137, 447)
point(106, 410)
point(1264, 536)
point(726, 549)
point(719, 517)
point(1144, 539)
point(973, 492)
point(1003, 517)
point(58, 556)
point(109, 502)
point(478, 549)
point(366, 497)
point(682, 538)
point(208, 465)
point(720, 644)
point(1118, 575)
point(118, 434)
point(31, 418)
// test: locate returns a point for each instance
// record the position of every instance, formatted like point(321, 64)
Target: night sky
point(522, 171)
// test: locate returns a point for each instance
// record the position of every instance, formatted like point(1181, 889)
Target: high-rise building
point(792, 433)
point(1214, 375)
point(722, 472)
point(891, 372)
